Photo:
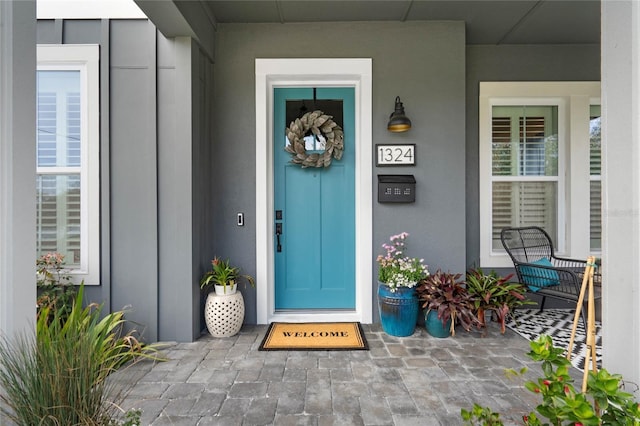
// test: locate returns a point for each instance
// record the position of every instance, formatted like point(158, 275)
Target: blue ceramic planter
point(434, 325)
point(398, 310)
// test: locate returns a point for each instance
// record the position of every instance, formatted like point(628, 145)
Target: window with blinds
point(68, 157)
point(595, 186)
point(524, 168)
point(539, 165)
point(58, 144)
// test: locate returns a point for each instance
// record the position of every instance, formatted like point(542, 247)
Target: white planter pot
point(224, 314)
point(230, 289)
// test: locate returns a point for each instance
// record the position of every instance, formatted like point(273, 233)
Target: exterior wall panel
point(179, 89)
point(81, 31)
point(133, 153)
point(169, 168)
point(203, 204)
point(17, 168)
point(422, 62)
point(49, 31)
point(621, 184)
point(149, 261)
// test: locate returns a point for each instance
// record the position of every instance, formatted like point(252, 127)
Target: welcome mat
point(314, 336)
point(558, 324)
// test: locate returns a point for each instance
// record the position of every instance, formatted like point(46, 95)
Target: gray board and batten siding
point(156, 203)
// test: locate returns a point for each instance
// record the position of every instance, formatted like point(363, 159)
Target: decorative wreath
point(319, 124)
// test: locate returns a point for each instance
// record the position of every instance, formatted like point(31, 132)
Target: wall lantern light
point(398, 122)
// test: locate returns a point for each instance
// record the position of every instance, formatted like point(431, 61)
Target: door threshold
point(313, 311)
point(328, 315)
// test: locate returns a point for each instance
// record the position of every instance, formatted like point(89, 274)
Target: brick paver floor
point(416, 380)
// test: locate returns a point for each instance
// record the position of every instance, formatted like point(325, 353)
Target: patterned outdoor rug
point(314, 336)
point(558, 324)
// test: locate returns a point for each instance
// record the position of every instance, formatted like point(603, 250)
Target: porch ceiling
point(487, 22)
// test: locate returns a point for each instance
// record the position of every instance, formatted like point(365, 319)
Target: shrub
point(603, 402)
point(55, 289)
point(59, 377)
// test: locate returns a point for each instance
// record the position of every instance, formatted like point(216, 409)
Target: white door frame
point(272, 73)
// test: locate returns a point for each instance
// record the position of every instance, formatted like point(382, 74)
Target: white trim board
point(88, 9)
point(271, 73)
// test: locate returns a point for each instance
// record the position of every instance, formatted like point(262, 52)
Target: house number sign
point(396, 155)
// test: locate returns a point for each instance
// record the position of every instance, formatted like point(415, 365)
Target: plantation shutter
point(524, 148)
point(502, 192)
point(46, 116)
point(59, 168)
point(72, 200)
point(595, 184)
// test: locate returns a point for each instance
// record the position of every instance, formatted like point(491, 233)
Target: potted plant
point(224, 308)
point(445, 302)
point(398, 275)
point(496, 294)
point(483, 288)
point(224, 277)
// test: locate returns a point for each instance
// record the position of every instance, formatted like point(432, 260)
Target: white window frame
point(83, 58)
point(573, 100)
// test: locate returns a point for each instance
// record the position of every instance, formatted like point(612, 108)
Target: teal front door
point(314, 245)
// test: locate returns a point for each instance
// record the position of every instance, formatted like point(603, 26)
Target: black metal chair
point(544, 273)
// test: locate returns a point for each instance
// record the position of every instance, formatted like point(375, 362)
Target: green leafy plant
point(395, 269)
point(444, 292)
point(480, 415)
point(603, 403)
point(491, 292)
point(55, 289)
point(59, 376)
point(131, 418)
point(223, 274)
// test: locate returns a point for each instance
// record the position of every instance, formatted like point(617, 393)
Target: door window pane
point(298, 108)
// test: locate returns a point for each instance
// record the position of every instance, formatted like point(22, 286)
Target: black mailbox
point(396, 189)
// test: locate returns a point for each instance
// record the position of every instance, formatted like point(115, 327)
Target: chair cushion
point(536, 278)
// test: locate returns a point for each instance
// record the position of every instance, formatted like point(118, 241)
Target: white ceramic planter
point(224, 314)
